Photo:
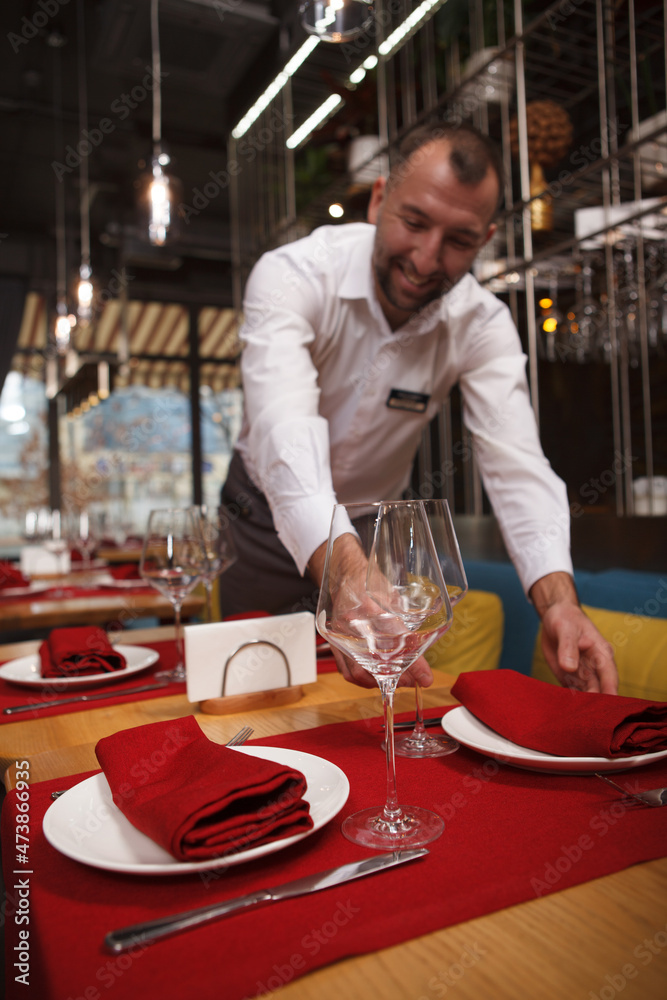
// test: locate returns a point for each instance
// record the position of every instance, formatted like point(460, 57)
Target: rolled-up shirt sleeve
point(287, 444)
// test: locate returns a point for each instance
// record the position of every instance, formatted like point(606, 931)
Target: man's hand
point(419, 672)
point(574, 649)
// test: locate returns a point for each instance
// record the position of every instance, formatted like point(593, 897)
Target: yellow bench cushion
point(475, 639)
point(640, 651)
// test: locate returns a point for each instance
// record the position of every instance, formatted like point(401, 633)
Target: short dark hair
point(471, 153)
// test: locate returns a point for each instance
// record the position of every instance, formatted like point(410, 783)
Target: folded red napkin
point(562, 721)
point(198, 799)
point(77, 652)
point(130, 571)
point(11, 576)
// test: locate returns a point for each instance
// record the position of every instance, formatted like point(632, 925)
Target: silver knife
point(153, 930)
point(35, 706)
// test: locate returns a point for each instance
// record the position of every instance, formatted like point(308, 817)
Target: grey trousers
point(264, 576)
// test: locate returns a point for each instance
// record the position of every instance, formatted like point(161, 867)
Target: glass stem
point(209, 600)
point(419, 729)
point(180, 652)
point(392, 810)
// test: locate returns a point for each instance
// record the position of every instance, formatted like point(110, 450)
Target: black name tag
point(403, 399)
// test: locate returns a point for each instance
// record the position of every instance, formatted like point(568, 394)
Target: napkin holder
point(39, 560)
point(256, 663)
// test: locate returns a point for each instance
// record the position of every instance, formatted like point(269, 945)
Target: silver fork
point(240, 737)
point(236, 741)
point(652, 797)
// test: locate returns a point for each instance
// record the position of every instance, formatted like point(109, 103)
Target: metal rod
point(524, 166)
point(641, 286)
point(195, 409)
point(609, 258)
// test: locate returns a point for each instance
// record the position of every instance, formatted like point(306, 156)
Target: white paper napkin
point(213, 654)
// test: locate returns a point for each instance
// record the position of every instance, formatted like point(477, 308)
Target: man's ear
point(377, 196)
point(493, 228)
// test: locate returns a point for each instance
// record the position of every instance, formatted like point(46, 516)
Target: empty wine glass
point(173, 560)
point(83, 534)
point(420, 743)
point(219, 547)
point(383, 601)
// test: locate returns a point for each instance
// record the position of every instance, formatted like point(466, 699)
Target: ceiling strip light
point(275, 87)
point(409, 26)
point(331, 104)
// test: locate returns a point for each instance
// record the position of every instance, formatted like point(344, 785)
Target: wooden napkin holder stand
point(252, 700)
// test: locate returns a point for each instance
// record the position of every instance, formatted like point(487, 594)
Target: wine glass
point(173, 560)
point(219, 547)
point(383, 601)
point(420, 743)
point(83, 535)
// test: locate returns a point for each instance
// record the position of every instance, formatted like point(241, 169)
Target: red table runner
point(55, 592)
point(15, 694)
point(510, 836)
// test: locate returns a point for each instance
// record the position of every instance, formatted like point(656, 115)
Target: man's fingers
point(351, 670)
point(419, 672)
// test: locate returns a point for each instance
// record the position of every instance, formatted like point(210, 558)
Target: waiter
point(353, 338)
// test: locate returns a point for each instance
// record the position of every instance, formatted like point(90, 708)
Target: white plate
point(467, 729)
point(84, 824)
point(26, 669)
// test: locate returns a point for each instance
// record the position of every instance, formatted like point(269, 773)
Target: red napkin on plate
point(130, 571)
point(11, 576)
point(77, 652)
point(562, 721)
point(198, 799)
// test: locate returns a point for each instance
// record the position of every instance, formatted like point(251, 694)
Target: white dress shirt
point(319, 362)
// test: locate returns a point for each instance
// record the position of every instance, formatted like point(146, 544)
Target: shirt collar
point(357, 282)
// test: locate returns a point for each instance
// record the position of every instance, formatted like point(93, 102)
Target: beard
point(398, 298)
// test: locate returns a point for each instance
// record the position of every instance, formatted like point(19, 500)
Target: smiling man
point(353, 338)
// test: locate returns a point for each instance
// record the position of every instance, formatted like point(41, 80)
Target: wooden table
point(577, 944)
point(118, 607)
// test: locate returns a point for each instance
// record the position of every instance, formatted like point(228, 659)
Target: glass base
point(177, 673)
point(425, 745)
point(414, 827)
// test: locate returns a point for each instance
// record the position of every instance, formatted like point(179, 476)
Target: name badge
point(403, 399)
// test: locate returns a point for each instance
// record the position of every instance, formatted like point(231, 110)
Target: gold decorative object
point(549, 138)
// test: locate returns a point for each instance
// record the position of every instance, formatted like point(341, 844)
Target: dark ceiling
point(217, 57)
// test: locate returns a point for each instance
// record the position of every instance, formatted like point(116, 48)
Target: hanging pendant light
point(84, 290)
point(160, 194)
point(337, 20)
point(63, 327)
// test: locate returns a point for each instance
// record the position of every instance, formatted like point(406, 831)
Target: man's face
point(430, 227)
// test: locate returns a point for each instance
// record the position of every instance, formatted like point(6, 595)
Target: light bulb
point(85, 294)
point(160, 206)
point(337, 20)
point(63, 331)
